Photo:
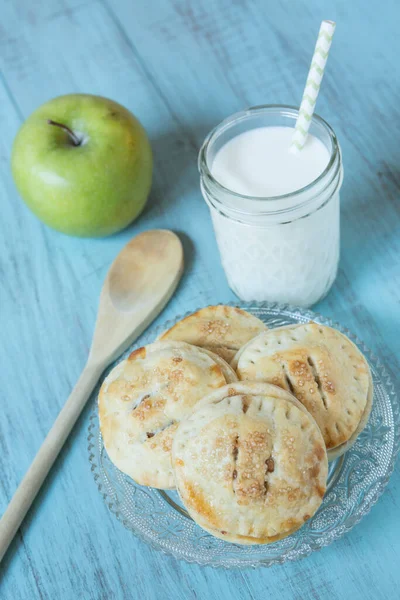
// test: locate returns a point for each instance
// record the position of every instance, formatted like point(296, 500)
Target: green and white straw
point(313, 85)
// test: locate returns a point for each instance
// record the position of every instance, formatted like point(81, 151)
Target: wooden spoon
point(138, 285)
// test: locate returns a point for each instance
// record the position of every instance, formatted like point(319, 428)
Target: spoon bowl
point(138, 285)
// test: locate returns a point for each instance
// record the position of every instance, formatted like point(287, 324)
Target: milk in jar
point(259, 163)
point(275, 213)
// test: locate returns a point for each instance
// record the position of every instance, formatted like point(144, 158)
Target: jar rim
point(242, 115)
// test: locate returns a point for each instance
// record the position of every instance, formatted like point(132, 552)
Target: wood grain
point(182, 66)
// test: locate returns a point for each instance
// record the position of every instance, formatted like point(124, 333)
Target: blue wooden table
point(181, 66)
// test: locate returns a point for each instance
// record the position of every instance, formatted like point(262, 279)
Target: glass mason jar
point(282, 248)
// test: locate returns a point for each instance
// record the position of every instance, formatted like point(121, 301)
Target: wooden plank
point(182, 66)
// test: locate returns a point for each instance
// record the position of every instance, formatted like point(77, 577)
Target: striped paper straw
point(313, 85)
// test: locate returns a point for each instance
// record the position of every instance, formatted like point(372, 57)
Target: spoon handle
point(46, 456)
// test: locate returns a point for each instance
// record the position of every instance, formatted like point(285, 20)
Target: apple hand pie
point(250, 463)
point(222, 329)
point(143, 399)
point(323, 369)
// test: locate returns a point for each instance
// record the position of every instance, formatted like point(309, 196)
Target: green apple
point(83, 165)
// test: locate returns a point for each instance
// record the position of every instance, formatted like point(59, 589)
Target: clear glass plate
point(356, 480)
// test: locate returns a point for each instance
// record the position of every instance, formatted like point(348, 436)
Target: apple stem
point(75, 140)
